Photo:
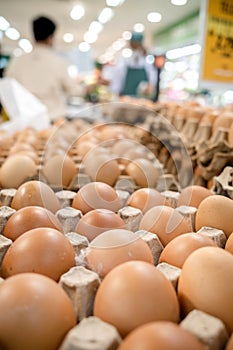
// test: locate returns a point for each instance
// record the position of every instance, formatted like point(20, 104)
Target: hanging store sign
point(217, 43)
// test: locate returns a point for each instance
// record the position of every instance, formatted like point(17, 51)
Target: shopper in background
point(43, 72)
point(134, 76)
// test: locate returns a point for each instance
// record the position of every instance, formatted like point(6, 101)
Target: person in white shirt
point(134, 76)
point(43, 72)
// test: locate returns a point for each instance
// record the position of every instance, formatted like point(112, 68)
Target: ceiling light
point(77, 12)
point(154, 17)
point(179, 2)
point(127, 53)
point(73, 71)
point(84, 47)
point(114, 3)
point(105, 15)
point(96, 27)
point(90, 37)
point(68, 37)
point(12, 33)
point(25, 45)
point(4, 24)
point(126, 35)
point(183, 51)
point(139, 27)
point(228, 96)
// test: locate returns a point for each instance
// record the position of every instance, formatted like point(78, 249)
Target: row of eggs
point(57, 160)
point(126, 283)
point(123, 260)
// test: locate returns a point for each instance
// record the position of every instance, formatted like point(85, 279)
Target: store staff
point(134, 76)
point(43, 72)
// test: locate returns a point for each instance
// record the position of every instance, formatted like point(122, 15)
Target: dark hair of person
point(43, 28)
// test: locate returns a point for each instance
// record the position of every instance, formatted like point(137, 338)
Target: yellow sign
point(217, 56)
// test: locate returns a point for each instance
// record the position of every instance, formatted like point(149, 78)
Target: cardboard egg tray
point(209, 150)
point(81, 284)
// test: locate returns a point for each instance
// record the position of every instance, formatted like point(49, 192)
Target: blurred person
point(43, 72)
point(134, 76)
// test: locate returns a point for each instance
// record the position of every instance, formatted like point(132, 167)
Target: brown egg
point(193, 196)
point(22, 165)
point(30, 154)
point(143, 171)
point(42, 250)
point(97, 221)
point(176, 252)
point(111, 132)
point(215, 211)
point(135, 293)
point(27, 218)
point(114, 247)
point(121, 146)
point(229, 244)
point(146, 198)
point(206, 284)
point(59, 170)
point(96, 195)
point(102, 167)
point(21, 146)
point(84, 147)
point(165, 222)
point(230, 343)
point(36, 313)
point(161, 335)
point(35, 193)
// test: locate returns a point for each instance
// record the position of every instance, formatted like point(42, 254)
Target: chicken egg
point(160, 335)
point(35, 193)
point(36, 313)
point(230, 343)
point(30, 154)
point(96, 221)
point(114, 247)
point(193, 196)
point(121, 146)
point(84, 147)
point(206, 284)
point(102, 168)
point(176, 251)
point(59, 170)
point(146, 198)
point(135, 293)
point(165, 222)
point(143, 171)
point(215, 211)
point(27, 218)
point(16, 169)
point(96, 195)
point(21, 146)
point(42, 250)
point(229, 244)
